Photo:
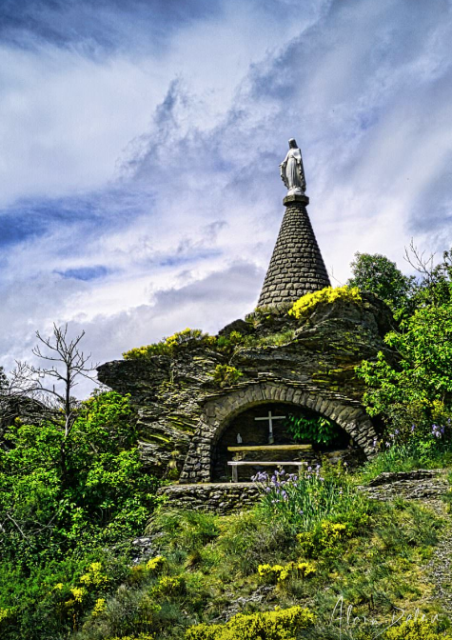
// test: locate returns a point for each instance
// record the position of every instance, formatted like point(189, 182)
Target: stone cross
point(270, 419)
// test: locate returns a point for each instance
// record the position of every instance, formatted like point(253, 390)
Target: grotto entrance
point(275, 432)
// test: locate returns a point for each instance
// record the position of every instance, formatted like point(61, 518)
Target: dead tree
point(54, 382)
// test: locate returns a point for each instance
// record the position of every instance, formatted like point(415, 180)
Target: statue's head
point(293, 143)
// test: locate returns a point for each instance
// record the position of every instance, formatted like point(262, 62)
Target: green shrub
point(170, 587)
point(314, 428)
point(229, 343)
point(184, 530)
point(417, 387)
point(305, 305)
point(281, 624)
point(169, 346)
point(225, 375)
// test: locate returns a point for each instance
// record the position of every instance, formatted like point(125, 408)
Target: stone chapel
point(217, 409)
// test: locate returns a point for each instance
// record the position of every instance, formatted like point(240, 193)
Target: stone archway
point(218, 412)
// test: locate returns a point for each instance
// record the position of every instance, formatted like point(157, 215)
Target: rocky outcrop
point(28, 410)
point(183, 404)
point(420, 484)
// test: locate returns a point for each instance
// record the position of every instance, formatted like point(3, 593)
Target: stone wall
point(214, 498)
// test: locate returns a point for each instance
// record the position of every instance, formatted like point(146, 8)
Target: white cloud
point(166, 162)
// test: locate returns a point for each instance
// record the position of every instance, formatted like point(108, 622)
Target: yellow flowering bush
point(281, 624)
point(139, 572)
point(324, 539)
point(142, 636)
point(94, 577)
point(79, 593)
point(99, 607)
point(279, 573)
point(168, 586)
point(155, 564)
point(169, 345)
point(307, 303)
point(415, 630)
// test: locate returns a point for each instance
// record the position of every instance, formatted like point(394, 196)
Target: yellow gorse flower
point(280, 573)
point(307, 303)
point(78, 593)
point(94, 576)
point(155, 563)
point(99, 607)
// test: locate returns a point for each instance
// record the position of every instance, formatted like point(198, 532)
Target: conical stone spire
point(297, 266)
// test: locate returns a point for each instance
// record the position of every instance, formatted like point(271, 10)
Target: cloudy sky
point(140, 144)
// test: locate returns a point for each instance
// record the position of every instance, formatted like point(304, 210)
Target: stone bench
point(236, 463)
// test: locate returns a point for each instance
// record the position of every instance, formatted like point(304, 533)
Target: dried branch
point(419, 262)
point(68, 364)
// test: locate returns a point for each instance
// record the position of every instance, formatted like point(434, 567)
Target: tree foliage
point(100, 495)
point(377, 274)
point(416, 386)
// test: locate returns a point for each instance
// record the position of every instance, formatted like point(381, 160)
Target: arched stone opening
point(219, 412)
point(269, 424)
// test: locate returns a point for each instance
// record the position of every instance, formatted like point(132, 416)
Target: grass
point(370, 558)
point(416, 454)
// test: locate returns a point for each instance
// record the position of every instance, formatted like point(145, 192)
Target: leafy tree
point(73, 493)
point(416, 388)
point(377, 274)
point(103, 495)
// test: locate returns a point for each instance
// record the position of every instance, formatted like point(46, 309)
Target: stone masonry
point(214, 498)
point(182, 412)
point(296, 266)
point(218, 412)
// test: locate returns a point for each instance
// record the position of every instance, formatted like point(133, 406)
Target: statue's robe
point(293, 170)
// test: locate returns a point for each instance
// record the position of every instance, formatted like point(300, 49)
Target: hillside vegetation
point(316, 558)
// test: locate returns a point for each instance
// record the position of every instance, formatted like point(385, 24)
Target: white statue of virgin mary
point(292, 171)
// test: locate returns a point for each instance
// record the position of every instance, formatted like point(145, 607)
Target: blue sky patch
point(85, 273)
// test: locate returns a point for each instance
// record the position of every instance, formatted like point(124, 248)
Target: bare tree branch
point(67, 363)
